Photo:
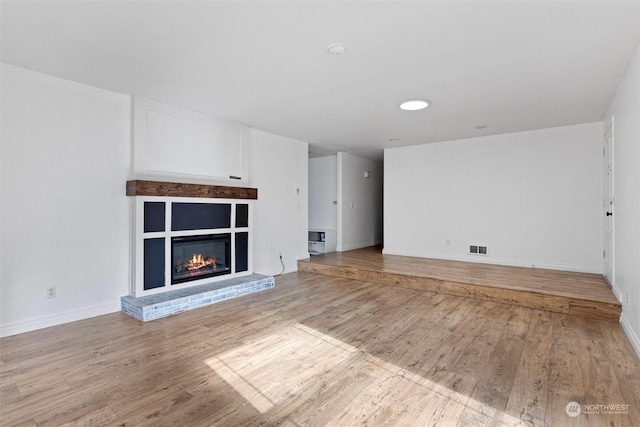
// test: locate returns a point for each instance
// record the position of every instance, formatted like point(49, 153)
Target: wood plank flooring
point(323, 351)
point(577, 294)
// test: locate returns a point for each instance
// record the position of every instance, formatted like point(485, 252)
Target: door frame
point(608, 203)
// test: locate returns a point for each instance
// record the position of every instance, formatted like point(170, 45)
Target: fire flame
point(197, 262)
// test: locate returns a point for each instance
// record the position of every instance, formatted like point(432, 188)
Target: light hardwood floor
point(320, 350)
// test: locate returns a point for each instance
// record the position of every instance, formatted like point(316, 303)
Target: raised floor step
point(578, 294)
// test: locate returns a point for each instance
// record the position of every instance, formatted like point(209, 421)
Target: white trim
point(631, 334)
point(498, 261)
point(617, 292)
point(609, 124)
point(57, 319)
point(339, 197)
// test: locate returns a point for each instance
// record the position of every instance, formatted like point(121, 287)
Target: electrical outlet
point(448, 242)
point(627, 297)
point(51, 292)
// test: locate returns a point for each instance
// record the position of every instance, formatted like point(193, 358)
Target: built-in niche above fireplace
point(179, 242)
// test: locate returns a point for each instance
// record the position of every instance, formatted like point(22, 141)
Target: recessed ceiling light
point(415, 104)
point(393, 140)
point(481, 127)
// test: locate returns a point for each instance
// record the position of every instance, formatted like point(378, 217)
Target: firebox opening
point(198, 257)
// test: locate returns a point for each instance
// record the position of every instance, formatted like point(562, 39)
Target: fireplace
point(199, 257)
point(186, 235)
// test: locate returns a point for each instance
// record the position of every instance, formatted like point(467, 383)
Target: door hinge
point(604, 254)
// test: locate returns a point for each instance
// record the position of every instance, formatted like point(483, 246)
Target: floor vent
point(479, 250)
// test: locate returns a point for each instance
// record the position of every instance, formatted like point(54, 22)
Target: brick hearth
point(165, 304)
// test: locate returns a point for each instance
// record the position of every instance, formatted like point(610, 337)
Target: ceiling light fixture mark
point(336, 49)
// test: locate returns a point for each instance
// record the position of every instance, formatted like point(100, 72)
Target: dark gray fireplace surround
point(191, 247)
point(191, 241)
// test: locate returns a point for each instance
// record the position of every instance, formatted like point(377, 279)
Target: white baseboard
point(494, 260)
point(631, 334)
point(617, 292)
point(57, 319)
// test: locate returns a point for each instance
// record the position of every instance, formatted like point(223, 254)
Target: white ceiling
point(512, 66)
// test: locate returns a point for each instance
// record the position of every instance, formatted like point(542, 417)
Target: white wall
point(279, 168)
point(625, 107)
point(323, 192)
point(359, 202)
point(65, 217)
point(65, 158)
point(533, 197)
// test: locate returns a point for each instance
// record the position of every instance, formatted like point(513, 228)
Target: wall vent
point(479, 250)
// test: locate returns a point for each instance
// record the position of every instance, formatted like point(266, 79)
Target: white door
point(608, 203)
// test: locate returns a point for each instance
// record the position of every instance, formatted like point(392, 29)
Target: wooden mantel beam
point(177, 189)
